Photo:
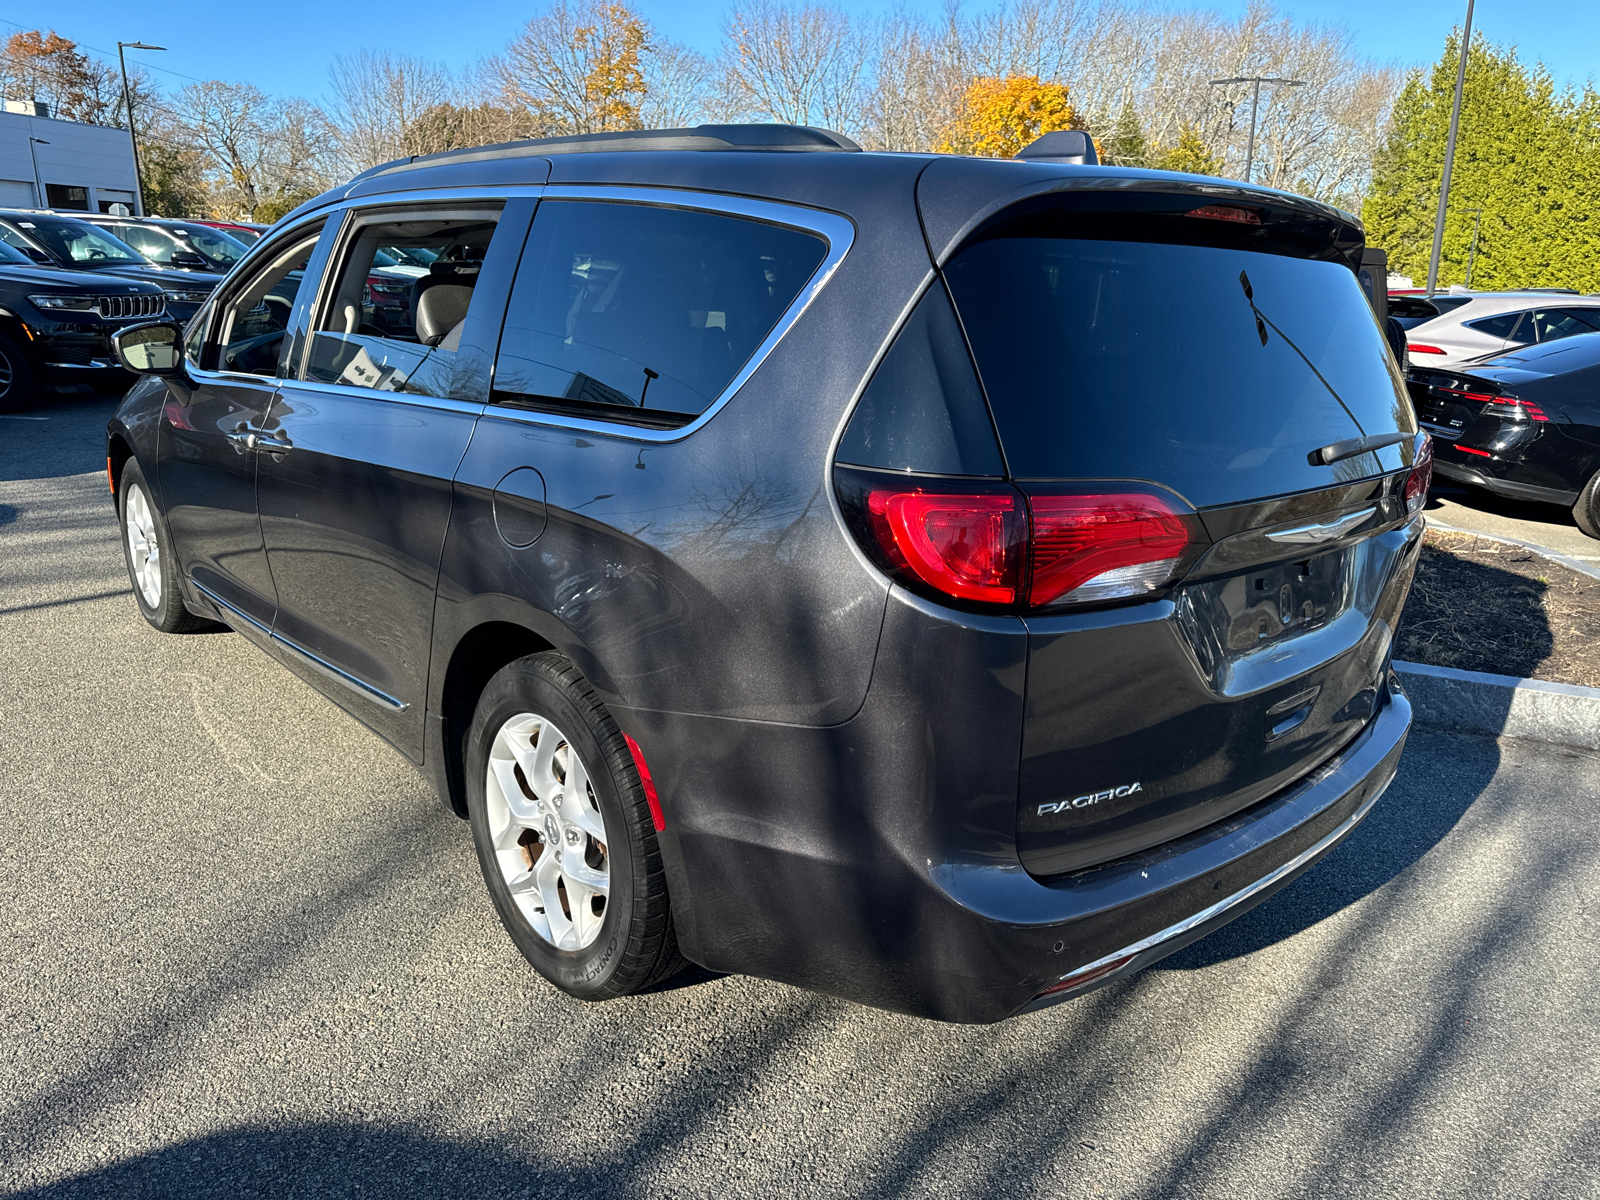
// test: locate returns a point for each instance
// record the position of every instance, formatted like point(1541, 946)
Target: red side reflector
point(1109, 546)
point(650, 797)
point(110, 482)
point(1082, 978)
point(1419, 348)
point(1470, 450)
point(967, 546)
point(1225, 212)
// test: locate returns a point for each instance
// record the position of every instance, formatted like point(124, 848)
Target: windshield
point(217, 247)
point(79, 245)
point(1212, 371)
point(404, 256)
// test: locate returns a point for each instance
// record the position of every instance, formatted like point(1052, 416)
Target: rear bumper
point(877, 861)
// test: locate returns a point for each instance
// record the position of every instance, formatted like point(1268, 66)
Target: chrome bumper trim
point(1195, 920)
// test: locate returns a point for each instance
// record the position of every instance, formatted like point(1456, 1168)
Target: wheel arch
point(119, 449)
point(478, 654)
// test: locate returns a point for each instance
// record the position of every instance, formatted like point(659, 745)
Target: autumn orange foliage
point(615, 83)
point(1001, 116)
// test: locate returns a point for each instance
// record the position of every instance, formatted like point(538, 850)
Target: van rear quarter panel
point(709, 575)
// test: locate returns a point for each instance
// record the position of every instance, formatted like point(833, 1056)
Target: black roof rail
point(701, 137)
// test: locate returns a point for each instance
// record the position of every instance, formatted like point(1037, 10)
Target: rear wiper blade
point(1349, 449)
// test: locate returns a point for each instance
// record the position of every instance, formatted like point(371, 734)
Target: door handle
point(242, 439)
point(271, 444)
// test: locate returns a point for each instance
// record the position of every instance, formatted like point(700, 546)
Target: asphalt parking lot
point(1547, 525)
point(247, 954)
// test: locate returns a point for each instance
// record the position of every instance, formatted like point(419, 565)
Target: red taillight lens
point(967, 546)
point(1421, 477)
point(1504, 400)
point(1088, 548)
point(1419, 348)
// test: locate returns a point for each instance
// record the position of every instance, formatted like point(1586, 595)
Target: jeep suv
point(56, 327)
point(945, 583)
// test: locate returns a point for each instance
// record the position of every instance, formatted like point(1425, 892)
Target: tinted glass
point(1124, 360)
point(1551, 324)
point(10, 254)
point(254, 318)
point(624, 306)
point(396, 331)
point(1499, 327)
point(923, 410)
point(155, 244)
point(78, 244)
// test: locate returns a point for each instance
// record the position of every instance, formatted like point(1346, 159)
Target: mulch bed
point(1481, 605)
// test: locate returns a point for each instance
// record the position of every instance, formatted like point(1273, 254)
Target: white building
point(86, 168)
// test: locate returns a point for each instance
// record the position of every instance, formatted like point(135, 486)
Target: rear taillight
point(967, 546)
point(1421, 477)
point(1022, 546)
point(1501, 404)
point(1419, 348)
point(1086, 548)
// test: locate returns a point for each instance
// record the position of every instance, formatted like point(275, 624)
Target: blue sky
point(289, 52)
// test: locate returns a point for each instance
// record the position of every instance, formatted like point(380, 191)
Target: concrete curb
point(1502, 705)
point(1572, 564)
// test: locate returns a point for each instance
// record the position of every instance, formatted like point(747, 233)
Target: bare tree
point(378, 95)
point(680, 87)
point(578, 68)
point(262, 155)
point(803, 64)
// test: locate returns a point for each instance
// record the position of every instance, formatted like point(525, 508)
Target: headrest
point(440, 307)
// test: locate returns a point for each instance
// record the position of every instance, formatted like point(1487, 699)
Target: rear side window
point(643, 314)
point(923, 410)
point(1499, 327)
point(1209, 370)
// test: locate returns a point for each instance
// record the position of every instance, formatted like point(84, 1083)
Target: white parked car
point(1494, 322)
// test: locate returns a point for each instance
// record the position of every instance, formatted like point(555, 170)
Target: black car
point(187, 245)
point(56, 327)
point(945, 583)
point(1524, 425)
point(71, 244)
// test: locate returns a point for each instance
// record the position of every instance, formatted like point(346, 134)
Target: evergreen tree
point(1526, 154)
point(1127, 147)
point(1188, 154)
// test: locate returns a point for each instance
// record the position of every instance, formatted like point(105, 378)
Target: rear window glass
point(1134, 360)
point(632, 311)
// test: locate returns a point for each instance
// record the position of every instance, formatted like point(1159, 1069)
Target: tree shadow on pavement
point(327, 1160)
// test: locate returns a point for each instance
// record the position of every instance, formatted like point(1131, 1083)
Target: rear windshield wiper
point(1329, 454)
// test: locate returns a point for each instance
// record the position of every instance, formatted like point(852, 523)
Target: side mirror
point(188, 258)
point(149, 349)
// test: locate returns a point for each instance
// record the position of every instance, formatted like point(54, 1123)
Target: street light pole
point(38, 188)
point(1472, 251)
point(1255, 108)
point(127, 104)
point(1449, 155)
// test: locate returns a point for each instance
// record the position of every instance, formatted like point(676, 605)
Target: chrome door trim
point(352, 392)
point(359, 686)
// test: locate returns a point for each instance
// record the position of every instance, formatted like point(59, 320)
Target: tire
point(19, 387)
point(147, 549)
point(535, 721)
point(1586, 512)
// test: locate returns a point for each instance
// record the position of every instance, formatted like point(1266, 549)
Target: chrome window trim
point(351, 391)
point(837, 232)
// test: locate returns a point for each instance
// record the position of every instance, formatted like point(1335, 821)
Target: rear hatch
point(1212, 349)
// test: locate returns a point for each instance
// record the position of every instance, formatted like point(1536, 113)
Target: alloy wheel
point(549, 837)
point(144, 550)
point(8, 375)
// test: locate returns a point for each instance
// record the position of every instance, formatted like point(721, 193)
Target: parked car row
point(67, 282)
